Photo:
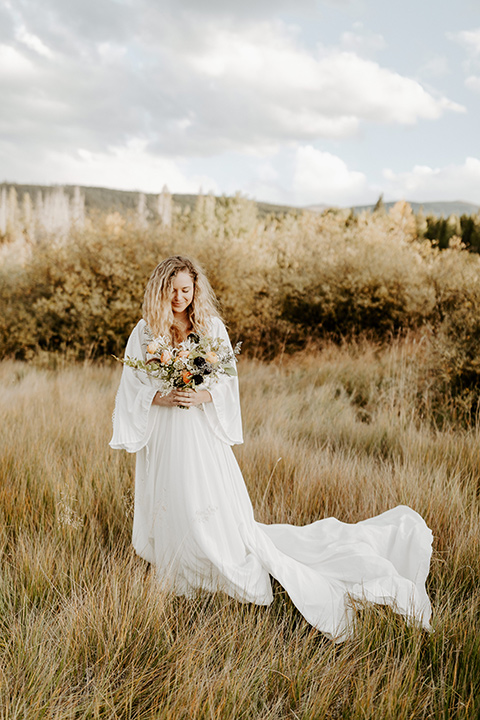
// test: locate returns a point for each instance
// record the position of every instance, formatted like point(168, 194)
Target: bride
point(193, 519)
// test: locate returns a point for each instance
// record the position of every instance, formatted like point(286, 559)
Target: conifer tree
point(379, 207)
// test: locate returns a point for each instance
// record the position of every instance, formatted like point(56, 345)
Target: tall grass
point(86, 632)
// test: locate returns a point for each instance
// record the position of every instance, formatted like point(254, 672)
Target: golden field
point(345, 430)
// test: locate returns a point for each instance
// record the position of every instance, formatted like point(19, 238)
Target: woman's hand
point(186, 397)
point(165, 400)
point(189, 398)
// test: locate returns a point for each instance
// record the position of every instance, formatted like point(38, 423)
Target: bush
point(455, 350)
point(368, 281)
point(81, 298)
point(281, 283)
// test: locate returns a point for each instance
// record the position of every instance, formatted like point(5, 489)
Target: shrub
point(454, 366)
point(282, 282)
point(81, 298)
point(368, 280)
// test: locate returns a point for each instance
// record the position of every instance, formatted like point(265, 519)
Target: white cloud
point(195, 86)
point(436, 66)
point(140, 86)
point(470, 39)
point(323, 178)
point(129, 167)
point(132, 167)
point(361, 42)
point(307, 123)
point(111, 53)
point(304, 95)
point(423, 183)
point(473, 83)
point(14, 66)
point(244, 9)
point(33, 42)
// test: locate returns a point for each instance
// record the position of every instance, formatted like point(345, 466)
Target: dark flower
point(202, 366)
point(197, 379)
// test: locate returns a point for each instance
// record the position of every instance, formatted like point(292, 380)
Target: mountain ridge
point(109, 200)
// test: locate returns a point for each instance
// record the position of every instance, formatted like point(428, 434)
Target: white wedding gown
point(193, 519)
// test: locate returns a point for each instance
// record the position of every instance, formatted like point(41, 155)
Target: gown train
point(193, 518)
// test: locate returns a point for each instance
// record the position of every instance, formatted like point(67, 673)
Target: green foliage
point(440, 231)
point(470, 232)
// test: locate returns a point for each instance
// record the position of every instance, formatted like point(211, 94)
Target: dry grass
point(85, 632)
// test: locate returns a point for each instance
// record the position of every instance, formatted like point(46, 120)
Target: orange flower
point(211, 357)
point(186, 375)
point(183, 354)
point(165, 357)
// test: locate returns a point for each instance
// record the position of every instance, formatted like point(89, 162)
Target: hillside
point(109, 200)
point(455, 207)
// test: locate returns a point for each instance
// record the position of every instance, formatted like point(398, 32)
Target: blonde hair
point(157, 301)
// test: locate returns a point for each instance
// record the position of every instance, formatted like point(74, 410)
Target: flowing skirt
point(193, 520)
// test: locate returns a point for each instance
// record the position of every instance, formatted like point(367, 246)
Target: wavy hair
point(157, 301)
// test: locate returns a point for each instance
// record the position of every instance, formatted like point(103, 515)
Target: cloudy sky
point(287, 101)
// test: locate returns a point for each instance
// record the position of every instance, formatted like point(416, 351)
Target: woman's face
point(182, 292)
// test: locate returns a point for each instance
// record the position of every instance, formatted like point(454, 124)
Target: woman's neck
point(184, 326)
point(182, 318)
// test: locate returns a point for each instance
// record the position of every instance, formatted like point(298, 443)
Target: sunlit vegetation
point(284, 283)
point(86, 630)
point(360, 377)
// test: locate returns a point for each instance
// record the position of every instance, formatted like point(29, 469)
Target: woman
point(193, 517)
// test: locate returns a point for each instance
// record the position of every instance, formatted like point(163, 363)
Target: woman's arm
point(223, 412)
point(132, 419)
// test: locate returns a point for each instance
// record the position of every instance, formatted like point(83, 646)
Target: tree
point(380, 206)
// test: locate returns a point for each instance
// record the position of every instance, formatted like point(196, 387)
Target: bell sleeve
point(133, 417)
point(223, 413)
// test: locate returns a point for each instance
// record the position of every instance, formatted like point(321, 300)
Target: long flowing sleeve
point(223, 413)
point(133, 417)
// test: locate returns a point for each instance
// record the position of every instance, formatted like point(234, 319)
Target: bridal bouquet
point(195, 361)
